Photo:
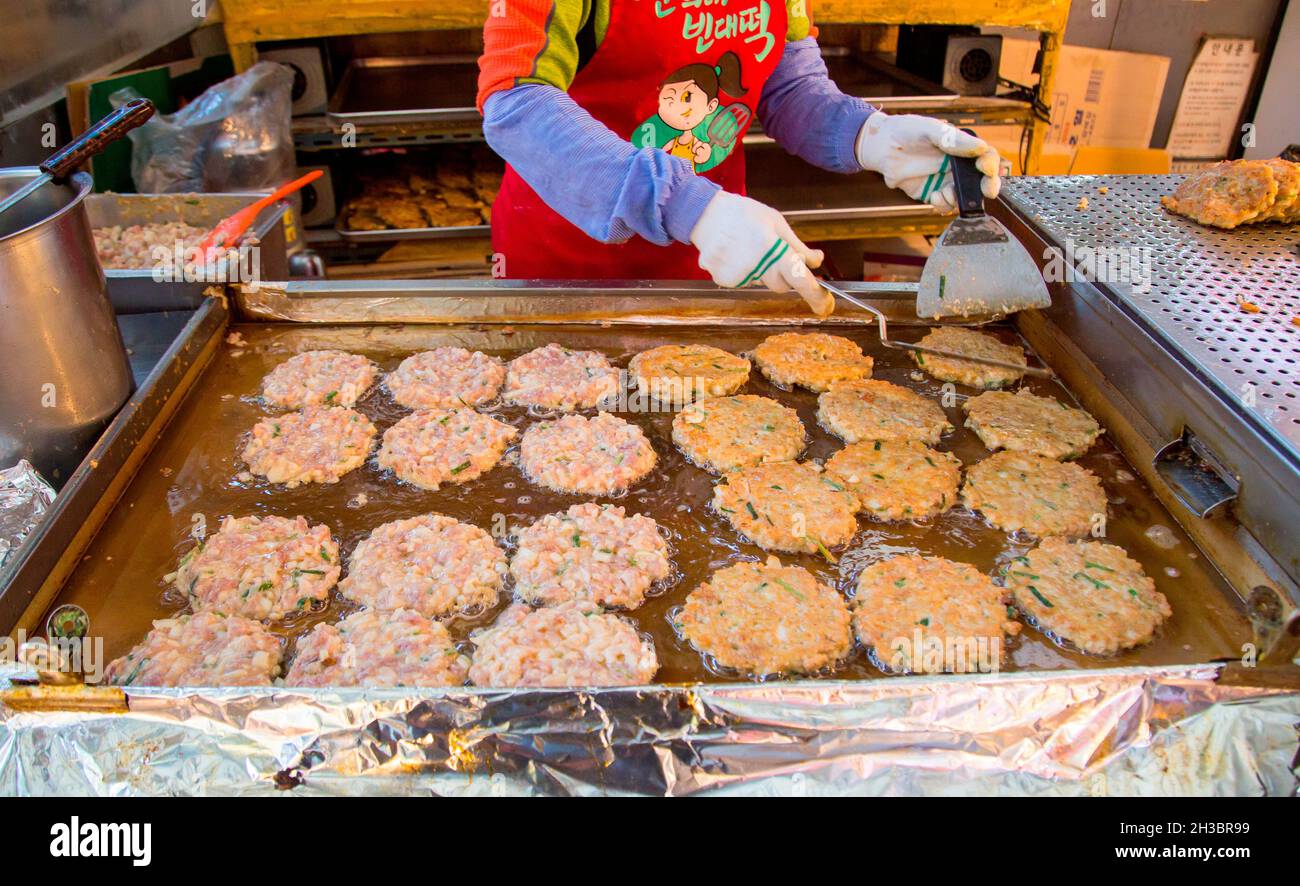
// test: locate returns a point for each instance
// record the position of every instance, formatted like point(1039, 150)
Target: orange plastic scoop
point(229, 229)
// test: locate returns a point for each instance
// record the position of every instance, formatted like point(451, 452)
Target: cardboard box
point(1100, 98)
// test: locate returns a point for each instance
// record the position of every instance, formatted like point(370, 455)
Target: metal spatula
point(977, 268)
point(1037, 372)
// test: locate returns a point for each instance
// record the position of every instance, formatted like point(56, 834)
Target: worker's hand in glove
point(741, 240)
point(914, 153)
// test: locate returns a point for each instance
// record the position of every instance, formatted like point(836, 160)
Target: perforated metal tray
point(1201, 277)
point(1214, 346)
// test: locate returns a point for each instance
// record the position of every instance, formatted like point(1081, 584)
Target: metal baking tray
point(804, 193)
point(194, 467)
point(392, 234)
point(1091, 727)
point(199, 210)
point(406, 90)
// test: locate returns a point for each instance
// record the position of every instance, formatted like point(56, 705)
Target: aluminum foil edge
point(24, 499)
point(1166, 731)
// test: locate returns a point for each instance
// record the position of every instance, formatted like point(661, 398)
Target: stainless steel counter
point(1201, 341)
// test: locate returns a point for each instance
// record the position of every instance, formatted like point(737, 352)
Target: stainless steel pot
point(64, 368)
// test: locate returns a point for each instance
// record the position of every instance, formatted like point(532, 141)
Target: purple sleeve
point(590, 176)
point(805, 112)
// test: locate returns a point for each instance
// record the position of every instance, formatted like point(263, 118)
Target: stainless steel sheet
point(406, 90)
point(606, 303)
point(1198, 334)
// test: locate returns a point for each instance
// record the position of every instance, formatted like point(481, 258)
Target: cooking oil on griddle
point(192, 476)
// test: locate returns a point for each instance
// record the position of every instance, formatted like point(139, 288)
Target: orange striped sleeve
point(530, 41)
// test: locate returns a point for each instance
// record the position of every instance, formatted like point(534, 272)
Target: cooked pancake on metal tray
point(898, 479)
point(765, 618)
point(1091, 595)
point(1025, 422)
point(725, 433)
point(929, 615)
point(1019, 491)
point(871, 409)
point(787, 506)
point(812, 360)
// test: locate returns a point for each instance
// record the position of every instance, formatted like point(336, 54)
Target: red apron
point(624, 85)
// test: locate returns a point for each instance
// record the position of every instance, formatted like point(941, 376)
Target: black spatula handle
point(96, 138)
point(966, 180)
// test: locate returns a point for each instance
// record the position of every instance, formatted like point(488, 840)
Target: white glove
point(912, 153)
point(741, 240)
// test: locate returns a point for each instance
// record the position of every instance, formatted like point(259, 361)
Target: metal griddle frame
point(1082, 337)
point(448, 738)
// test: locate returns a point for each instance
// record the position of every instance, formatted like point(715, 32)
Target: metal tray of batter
point(193, 472)
point(199, 210)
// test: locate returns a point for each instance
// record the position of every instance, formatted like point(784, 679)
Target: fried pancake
point(1025, 422)
point(440, 215)
point(1226, 194)
point(459, 198)
point(1091, 595)
point(766, 618)
point(1286, 206)
point(975, 344)
point(400, 213)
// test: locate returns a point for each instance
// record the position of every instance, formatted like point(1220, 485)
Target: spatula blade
point(978, 269)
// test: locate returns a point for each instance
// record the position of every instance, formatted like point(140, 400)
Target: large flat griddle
point(1172, 717)
point(193, 473)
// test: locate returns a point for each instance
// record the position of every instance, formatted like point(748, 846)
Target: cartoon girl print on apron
point(702, 130)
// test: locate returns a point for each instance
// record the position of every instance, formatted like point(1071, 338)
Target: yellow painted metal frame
point(250, 21)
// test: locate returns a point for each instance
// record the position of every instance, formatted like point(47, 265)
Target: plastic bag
point(234, 137)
